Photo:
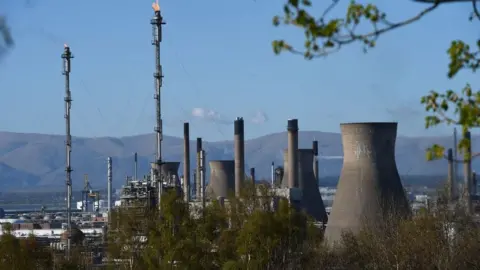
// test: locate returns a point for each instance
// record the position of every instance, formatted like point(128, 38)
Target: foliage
point(325, 35)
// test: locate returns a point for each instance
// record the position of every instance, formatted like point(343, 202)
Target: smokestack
point(202, 177)
point(315, 160)
point(450, 183)
point(135, 169)
point(199, 166)
point(273, 174)
point(474, 183)
point(467, 173)
point(369, 189)
point(252, 174)
point(239, 145)
point(186, 161)
point(292, 128)
point(157, 22)
point(109, 184)
point(455, 157)
point(67, 56)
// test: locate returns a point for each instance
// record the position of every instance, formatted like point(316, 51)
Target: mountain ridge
point(38, 160)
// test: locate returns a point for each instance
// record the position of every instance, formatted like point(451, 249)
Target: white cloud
point(259, 118)
point(209, 115)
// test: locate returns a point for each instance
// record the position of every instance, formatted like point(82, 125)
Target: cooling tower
point(369, 189)
point(311, 202)
point(169, 169)
point(222, 179)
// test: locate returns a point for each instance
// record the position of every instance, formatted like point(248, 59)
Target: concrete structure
point(311, 201)
point(369, 188)
point(222, 179)
point(170, 171)
point(239, 145)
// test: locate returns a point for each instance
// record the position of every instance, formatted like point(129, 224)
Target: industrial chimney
point(239, 145)
point(198, 174)
point(315, 160)
point(311, 202)
point(222, 179)
point(186, 161)
point(369, 189)
point(292, 170)
point(109, 184)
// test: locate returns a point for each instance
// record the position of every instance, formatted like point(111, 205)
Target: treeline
point(260, 232)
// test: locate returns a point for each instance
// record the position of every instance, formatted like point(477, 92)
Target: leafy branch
point(325, 36)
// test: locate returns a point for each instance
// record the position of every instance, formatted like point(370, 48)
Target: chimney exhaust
point(292, 128)
point(186, 161)
point(239, 145)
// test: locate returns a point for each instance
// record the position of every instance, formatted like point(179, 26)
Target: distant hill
point(38, 160)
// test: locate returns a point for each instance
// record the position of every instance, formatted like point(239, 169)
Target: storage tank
point(369, 189)
point(222, 179)
point(311, 202)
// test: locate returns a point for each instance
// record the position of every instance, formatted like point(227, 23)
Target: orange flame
point(156, 6)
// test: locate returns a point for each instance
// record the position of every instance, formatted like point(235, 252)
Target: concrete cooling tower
point(222, 179)
point(168, 169)
point(311, 202)
point(369, 188)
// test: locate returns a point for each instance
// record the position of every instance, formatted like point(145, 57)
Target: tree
point(326, 36)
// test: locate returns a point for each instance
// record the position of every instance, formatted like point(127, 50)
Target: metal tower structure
point(67, 56)
point(157, 23)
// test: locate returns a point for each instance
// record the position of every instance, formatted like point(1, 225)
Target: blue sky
point(216, 56)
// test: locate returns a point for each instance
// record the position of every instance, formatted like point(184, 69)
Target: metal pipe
point(67, 56)
point(292, 128)
point(199, 165)
point(456, 168)
point(239, 148)
point(186, 161)
point(109, 184)
point(474, 183)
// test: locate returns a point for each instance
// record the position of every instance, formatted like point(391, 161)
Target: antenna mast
point(157, 23)
point(67, 55)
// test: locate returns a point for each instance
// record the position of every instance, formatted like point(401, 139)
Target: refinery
point(369, 183)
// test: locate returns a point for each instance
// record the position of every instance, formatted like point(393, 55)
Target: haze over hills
point(38, 160)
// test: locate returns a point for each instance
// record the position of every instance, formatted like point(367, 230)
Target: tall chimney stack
point(198, 174)
point(450, 175)
point(315, 160)
point(135, 169)
point(467, 173)
point(202, 178)
point(252, 174)
point(239, 145)
point(273, 174)
point(292, 128)
point(67, 56)
point(474, 183)
point(186, 161)
point(109, 184)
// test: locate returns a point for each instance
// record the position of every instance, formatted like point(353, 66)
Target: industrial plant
point(369, 187)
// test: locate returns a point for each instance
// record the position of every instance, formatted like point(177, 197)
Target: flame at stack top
point(156, 6)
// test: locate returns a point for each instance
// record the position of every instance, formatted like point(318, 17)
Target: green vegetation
point(363, 24)
point(250, 233)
